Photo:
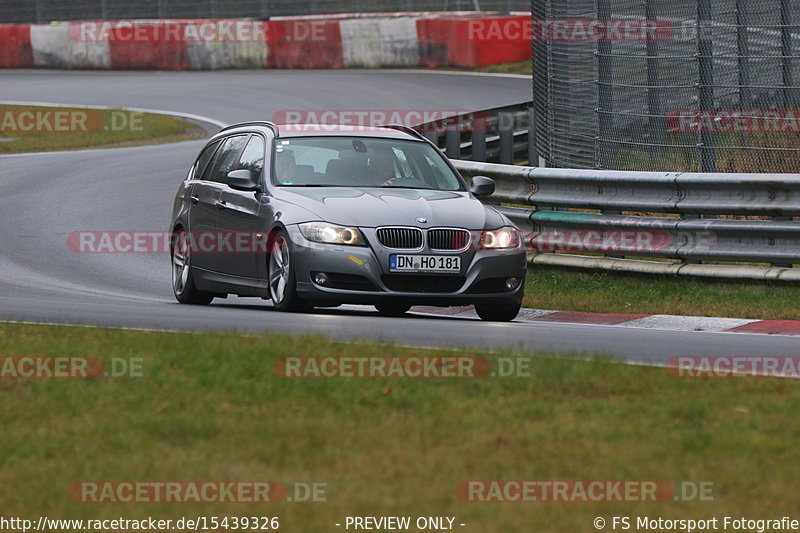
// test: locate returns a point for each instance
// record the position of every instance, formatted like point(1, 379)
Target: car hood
point(371, 207)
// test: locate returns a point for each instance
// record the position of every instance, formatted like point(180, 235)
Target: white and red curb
point(660, 322)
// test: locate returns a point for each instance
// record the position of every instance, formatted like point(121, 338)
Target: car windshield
point(361, 162)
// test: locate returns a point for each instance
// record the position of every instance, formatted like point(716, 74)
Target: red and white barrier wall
point(15, 46)
point(429, 40)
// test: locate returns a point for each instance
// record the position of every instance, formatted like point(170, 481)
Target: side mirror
point(243, 180)
point(482, 186)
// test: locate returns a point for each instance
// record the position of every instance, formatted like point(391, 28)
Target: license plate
point(424, 263)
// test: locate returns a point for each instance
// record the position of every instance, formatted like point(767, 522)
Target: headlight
point(331, 234)
point(497, 239)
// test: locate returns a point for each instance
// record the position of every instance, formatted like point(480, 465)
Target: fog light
point(512, 283)
point(320, 278)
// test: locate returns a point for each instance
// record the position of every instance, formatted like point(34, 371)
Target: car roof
point(293, 131)
point(315, 130)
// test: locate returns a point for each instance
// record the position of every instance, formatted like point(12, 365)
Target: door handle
point(222, 205)
point(195, 200)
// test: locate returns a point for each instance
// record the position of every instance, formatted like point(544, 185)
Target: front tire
point(183, 286)
point(498, 312)
point(281, 276)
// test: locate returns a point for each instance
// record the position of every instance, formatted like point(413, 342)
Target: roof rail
point(405, 129)
point(266, 123)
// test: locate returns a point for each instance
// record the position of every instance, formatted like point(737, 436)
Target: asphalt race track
point(45, 197)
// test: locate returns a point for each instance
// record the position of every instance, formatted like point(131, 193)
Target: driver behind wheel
point(285, 166)
point(381, 166)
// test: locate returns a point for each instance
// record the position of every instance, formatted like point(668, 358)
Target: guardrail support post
point(432, 136)
point(505, 126)
point(479, 126)
point(452, 142)
point(782, 219)
point(533, 153)
point(683, 259)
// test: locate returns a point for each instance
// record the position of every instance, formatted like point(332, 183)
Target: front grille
point(400, 238)
point(448, 239)
point(416, 283)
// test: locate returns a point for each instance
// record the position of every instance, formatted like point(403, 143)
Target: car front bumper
point(360, 275)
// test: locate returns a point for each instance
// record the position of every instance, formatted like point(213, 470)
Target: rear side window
point(203, 160)
point(227, 158)
point(253, 156)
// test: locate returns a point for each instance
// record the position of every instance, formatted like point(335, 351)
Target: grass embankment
point(523, 67)
point(47, 129)
point(209, 407)
point(615, 292)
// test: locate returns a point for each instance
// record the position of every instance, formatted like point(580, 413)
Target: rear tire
point(392, 309)
point(183, 286)
point(281, 277)
point(498, 312)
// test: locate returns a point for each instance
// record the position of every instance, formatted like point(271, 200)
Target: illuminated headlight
point(331, 234)
point(507, 237)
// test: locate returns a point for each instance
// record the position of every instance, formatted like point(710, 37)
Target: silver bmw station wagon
point(315, 216)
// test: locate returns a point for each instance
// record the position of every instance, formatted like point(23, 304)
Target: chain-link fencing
point(668, 85)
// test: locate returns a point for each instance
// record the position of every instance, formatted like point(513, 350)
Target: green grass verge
point(616, 292)
point(210, 408)
point(523, 67)
point(26, 129)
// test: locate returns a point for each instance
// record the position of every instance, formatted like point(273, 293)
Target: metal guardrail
point(498, 135)
point(621, 220)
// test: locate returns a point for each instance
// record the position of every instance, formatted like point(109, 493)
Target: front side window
point(253, 156)
point(202, 161)
point(362, 162)
point(227, 157)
